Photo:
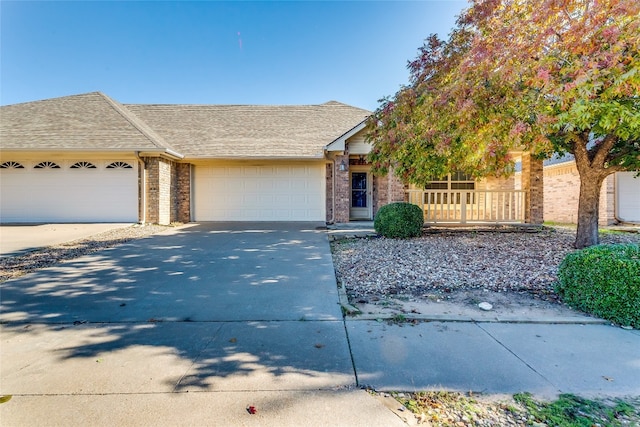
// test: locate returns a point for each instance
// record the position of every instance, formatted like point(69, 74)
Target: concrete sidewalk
point(194, 325)
point(497, 358)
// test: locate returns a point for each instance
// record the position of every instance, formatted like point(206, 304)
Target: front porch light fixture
point(343, 166)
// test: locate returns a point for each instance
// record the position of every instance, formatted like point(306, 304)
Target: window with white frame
point(450, 189)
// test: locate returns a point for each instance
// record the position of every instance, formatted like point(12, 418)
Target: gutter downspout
point(143, 184)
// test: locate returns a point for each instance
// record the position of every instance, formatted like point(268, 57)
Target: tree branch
point(613, 169)
point(602, 150)
point(580, 152)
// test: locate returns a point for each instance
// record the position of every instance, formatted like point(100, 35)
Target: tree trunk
point(588, 211)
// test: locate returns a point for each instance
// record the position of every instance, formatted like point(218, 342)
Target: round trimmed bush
point(603, 280)
point(399, 220)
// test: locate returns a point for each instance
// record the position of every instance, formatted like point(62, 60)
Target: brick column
point(152, 190)
point(164, 193)
point(396, 188)
point(533, 184)
point(329, 192)
point(387, 189)
point(159, 205)
point(380, 188)
point(183, 192)
point(342, 190)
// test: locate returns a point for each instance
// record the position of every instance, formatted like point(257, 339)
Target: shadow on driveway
point(226, 306)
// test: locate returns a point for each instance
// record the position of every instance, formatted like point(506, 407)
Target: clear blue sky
point(211, 52)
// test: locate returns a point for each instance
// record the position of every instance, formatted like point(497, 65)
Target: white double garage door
point(254, 191)
point(68, 191)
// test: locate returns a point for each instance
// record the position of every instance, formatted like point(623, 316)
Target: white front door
point(360, 194)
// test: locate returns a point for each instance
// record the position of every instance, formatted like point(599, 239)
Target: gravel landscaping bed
point(16, 266)
point(449, 261)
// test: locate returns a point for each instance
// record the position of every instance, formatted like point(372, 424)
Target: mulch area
point(449, 261)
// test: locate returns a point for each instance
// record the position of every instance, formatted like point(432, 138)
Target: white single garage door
point(243, 192)
point(628, 196)
point(68, 191)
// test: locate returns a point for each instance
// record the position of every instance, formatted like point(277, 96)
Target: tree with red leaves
point(547, 76)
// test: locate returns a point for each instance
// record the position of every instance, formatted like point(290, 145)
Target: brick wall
point(493, 183)
point(329, 191)
point(380, 192)
point(183, 193)
point(167, 191)
point(533, 183)
point(152, 189)
point(396, 188)
point(387, 189)
point(342, 189)
point(562, 194)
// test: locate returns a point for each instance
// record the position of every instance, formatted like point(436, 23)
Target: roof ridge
point(326, 104)
point(95, 92)
point(139, 124)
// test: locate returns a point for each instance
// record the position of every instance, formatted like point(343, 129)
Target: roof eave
point(170, 154)
point(166, 152)
point(339, 143)
point(290, 158)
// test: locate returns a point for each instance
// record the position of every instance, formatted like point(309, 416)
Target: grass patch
point(452, 409)
point(574, 411)
point(444, 408)
point(609, 231)
point(398, 318)
point(559, 224)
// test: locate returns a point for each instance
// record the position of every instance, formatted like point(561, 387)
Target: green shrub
point(603, 280)
point(399, 220)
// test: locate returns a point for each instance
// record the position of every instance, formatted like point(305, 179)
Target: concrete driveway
point(209, 272)
point(205, 320)
point(193, 325)
point(19, 238)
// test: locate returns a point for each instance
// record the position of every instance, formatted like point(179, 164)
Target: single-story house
point(88, 158)
point(619, 196)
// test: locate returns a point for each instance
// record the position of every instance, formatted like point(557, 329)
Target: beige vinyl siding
point(358, 145)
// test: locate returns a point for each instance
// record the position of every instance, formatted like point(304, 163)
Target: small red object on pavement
point(251, 409)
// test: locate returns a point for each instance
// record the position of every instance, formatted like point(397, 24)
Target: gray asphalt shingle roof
point(95, 122)
point(245, 131)
point(86, 122)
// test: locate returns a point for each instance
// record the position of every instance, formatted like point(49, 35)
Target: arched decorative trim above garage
point(11, 165)
point(47, 165)
point(83, 165)
point(119, 165)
